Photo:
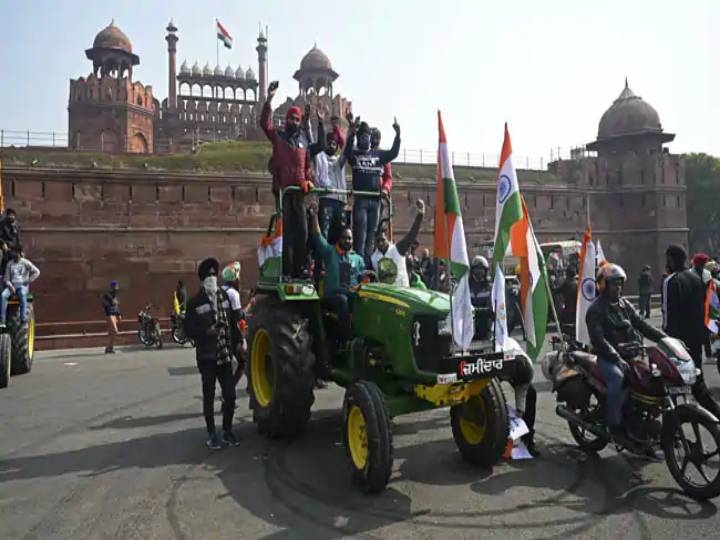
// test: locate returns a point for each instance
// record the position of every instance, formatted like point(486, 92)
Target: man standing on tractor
point(367, 169)
point(290, 168)
point(330, 174)
point(343, 272)
point(386, 181)
point(111, 306)
point(208, 323)
point(389, 257)
point(19, 274)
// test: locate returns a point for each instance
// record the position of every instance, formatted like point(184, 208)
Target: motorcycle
point(177, 330)
point(149, 332)
point(658, 410)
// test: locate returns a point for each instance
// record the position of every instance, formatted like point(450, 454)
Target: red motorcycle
point(659, 409)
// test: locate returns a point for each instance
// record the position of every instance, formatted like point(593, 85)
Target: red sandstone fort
point(85, 226)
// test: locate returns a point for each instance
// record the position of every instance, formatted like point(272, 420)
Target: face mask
point(364, 143)
point(210, 284)
point(346, 246)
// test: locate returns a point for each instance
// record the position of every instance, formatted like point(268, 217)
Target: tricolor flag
point(514, 235)
point(586, 286)
point(712, 307)
point(600, 254)
point(271, 243)
point(449, 243)
point(223, 35)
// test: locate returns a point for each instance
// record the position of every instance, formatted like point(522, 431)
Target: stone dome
point(628, 115)
point(184, 68)
point(229, 72)
point(196, 69)
point(207, 71)
point(250, 74)
point(111, 37)
point(315, 59)
point(239, 73)
point(218, 71)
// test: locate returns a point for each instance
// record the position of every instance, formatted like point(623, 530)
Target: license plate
point(482, 366)
point(676, 390)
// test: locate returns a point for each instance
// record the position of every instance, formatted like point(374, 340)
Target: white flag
point(599, 253)
point(586, 288)
point(499, 306)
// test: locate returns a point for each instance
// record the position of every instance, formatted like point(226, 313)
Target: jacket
point(368, 167)
point(199, 317)
point(9, 233)
point(684, 307)
point(611, 324)
point(342, 270)
point(290, 163)
point(645, 282)
point(22, 272)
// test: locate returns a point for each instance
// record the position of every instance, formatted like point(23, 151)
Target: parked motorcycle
point(149, 332)
point(177, 330)
point(659, 408)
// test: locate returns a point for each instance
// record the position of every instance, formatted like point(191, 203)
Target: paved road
point(113, 447)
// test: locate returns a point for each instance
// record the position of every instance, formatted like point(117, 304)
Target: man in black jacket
point(612, 321)
point(9, 232)
point(480, 296)
point(207, 321)
point(684, 316)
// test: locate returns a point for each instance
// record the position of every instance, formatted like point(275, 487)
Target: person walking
point(207, 321)
point(111, 306)
point(645, 284)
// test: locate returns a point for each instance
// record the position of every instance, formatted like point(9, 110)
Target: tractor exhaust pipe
point(570, 416)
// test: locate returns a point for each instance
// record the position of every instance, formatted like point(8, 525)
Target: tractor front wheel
point(480, 426)
point(5, 355)
point(22, 335)
point(281, 370)
point(368, 436)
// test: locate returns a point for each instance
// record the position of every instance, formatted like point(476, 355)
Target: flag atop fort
point(223, 35)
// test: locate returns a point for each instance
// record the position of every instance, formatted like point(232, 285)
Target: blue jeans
point(22, 292)
point(331, 218)
point(366, 213)
point(614, 380)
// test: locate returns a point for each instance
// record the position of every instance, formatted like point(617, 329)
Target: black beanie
point(206, 265)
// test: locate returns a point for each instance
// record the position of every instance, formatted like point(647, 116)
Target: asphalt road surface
point(95, 446)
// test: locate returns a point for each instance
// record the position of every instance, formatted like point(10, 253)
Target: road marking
point(70, 363)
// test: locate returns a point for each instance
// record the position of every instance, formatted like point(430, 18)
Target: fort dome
point(628, 115)
point(111, 37)
point(315, 59)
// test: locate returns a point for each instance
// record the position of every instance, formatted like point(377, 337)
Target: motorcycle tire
point(157, 336)
point(178, 335)
point(671, 442)
point(586, 440)
point(143, 338)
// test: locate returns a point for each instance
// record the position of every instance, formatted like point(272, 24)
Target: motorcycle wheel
point(586, 440)
point(688, 451)
point(178, 336)
point(157, 336)
point(143, 338)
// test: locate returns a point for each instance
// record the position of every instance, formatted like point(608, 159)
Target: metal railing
point(13, 137)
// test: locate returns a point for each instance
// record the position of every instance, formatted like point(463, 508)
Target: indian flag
point(586, 286)
point(449, 243)
point(514, 235)
point(271, 242)
point(223, 35)
point(712, 308)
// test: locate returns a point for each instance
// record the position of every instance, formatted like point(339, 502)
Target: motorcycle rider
point(613, 323)
point(480, 296)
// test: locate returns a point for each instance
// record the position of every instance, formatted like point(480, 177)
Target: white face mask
point(210, 284)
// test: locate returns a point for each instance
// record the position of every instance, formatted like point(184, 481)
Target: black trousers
point(331, 217)
point(339, 303)
point(209, 373)
point(645, 304)
point(700, 389)
point(295, 234)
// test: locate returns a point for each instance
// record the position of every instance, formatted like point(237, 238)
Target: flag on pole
point(534, 298)
point(2, 199)
point(271, 243)
point(514, 235)
point(712, 307)
point(600, 254)
point(586, 286)
point(449, 243)
point(500, 309)
point(223, 35)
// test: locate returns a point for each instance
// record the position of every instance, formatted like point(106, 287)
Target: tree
point(702, 174)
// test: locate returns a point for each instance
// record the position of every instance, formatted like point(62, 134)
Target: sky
point(549, 68)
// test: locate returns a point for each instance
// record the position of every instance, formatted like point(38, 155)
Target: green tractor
point(17, 342)
point(400, 360)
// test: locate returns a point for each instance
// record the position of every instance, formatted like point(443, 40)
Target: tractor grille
point(429, 346)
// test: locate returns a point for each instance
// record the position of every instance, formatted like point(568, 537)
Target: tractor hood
point(419, 301)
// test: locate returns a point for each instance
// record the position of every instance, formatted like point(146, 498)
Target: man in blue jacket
point(367, 165)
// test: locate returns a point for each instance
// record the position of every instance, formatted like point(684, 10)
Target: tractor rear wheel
point(368, 436)
point(480, 426)
point(281, 370)
point(5, 355)
point(23, 340)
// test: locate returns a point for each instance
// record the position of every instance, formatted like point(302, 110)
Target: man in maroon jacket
point(290, 167)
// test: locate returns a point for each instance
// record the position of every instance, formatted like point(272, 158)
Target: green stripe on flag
point(452, 201)
point(511, 213)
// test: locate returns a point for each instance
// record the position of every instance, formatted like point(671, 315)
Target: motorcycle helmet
point(609, 272)
point(480, 261)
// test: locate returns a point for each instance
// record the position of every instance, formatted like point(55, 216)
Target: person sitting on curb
point(19, 274)
point(207, 321)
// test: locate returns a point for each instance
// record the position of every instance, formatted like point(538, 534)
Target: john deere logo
point(504, 188)
point(588, 289)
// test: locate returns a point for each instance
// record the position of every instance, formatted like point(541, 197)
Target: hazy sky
point(550, 68)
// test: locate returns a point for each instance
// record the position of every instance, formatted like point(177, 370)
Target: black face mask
point(346, 246)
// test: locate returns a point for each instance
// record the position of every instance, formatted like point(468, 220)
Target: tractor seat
point(581, 358)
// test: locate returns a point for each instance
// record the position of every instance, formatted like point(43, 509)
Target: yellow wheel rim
point(31, 335)
point(473, 432)
point(357, 437)
point(261, 368)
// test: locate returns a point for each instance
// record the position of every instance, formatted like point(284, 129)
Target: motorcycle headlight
point(687, 371)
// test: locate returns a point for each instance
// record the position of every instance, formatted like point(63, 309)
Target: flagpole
point(217, 45)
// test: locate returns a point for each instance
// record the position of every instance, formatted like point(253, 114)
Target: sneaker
point(3, 325)
point(621, 439)
point(230, 439)
point(213, 443)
